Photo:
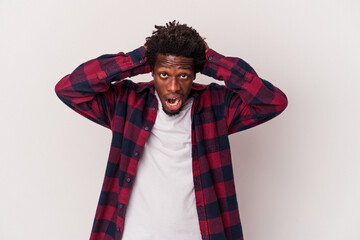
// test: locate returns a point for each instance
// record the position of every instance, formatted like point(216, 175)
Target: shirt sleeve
point(249, 99)
point(89, 91)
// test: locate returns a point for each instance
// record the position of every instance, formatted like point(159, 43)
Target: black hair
point(176, 39)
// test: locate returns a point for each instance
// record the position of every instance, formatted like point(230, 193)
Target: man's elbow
point(61, 85)
point(284, 102)
point(280, 101)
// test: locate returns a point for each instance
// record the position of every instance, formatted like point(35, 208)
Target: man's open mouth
point(173, 103)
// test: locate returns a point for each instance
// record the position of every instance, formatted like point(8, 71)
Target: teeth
point(173, 101)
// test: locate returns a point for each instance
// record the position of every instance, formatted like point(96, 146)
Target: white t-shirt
point(162, 202)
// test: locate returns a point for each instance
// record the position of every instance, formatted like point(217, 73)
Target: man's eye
point(163, 75)
point(184, 76)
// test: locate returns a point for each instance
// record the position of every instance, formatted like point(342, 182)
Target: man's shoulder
point(138, 87)
point(212, 87)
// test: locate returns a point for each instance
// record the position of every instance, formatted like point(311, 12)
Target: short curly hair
point(176, 39)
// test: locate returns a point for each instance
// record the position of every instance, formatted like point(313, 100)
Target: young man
point(170, 149)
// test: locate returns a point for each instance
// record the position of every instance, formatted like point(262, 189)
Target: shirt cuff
point(212, 63)
point(138, 55)
point(209, 53)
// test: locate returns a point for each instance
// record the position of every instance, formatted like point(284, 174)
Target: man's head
point(175, 53)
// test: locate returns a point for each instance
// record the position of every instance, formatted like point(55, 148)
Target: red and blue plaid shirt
point(97, 90)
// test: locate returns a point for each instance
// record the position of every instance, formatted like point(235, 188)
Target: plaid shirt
point(97, 90)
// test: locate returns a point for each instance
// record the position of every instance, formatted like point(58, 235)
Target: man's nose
point(173, 85)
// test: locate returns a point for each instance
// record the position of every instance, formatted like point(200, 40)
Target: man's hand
point(206, 47)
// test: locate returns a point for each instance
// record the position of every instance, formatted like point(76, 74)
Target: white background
point(297, 176)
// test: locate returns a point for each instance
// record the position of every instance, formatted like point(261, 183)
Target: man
point(170, 149)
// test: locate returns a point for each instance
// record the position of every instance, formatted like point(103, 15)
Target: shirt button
point(121, 205)
point(117, 229)
point(153, 108)
point(141, 61)
point(136, 154)
point(128, 179)
point(146, 128)
point(210, 58)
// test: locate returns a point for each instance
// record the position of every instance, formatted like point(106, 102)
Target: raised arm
point(249, 99)
point(89, 91)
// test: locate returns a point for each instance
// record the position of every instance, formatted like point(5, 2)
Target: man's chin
point(172, 113)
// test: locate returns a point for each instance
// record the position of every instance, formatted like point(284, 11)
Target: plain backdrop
point(297, 176)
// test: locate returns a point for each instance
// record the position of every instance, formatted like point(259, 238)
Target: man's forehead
point(172, 60)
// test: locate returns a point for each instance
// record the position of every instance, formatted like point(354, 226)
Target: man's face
point(173, 78)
